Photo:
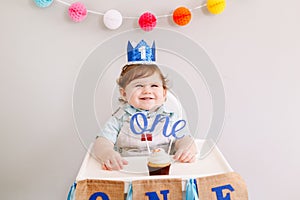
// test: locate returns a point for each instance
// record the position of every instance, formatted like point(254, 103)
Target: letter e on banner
point(228, 186)
point(219, 192)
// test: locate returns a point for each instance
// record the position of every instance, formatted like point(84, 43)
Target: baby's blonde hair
point(135, 71)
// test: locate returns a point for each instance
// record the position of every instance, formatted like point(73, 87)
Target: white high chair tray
point(214, 163)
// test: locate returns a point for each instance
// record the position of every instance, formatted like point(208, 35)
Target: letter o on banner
point(99, 194)
point(92, 189)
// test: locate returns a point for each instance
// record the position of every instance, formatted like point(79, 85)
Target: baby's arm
point(186, 149)
point(103, 149)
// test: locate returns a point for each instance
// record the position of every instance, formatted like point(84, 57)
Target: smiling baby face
point(145, 93)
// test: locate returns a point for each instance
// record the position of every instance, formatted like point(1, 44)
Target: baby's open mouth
point(146, 98)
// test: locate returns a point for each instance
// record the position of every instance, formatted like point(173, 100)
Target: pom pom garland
point(112, 19)
point(43, 3)
point(147, 21)
point(216, 6)
point(182, 16)
point(77, 12)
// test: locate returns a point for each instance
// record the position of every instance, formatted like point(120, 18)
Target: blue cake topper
point(142, 53)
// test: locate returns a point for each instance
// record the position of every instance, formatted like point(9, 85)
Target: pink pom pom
point(77, 12)
point(147, 21)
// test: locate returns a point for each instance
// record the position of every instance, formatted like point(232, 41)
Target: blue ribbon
point(129, 192)
point(71, 195)
point(191, 190)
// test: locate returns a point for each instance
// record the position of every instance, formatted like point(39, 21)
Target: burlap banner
point(162, 189)
point(99, 189)
point(229, 186)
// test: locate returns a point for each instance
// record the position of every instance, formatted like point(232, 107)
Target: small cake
point(159, 162)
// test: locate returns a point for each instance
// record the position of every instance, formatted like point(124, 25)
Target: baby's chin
point(152, 107)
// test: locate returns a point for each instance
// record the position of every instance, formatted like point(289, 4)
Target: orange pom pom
point(182, 16)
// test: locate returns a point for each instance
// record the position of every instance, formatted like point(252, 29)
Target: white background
point(254, 44)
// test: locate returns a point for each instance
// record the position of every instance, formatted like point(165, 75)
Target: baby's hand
point(113, 161)
point(184, 155)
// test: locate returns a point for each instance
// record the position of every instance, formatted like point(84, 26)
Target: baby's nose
point(147, 89)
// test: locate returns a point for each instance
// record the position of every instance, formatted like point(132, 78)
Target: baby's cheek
point(136, 90)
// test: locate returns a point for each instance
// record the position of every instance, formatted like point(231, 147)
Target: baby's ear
point(122, 93)
point(165, 93)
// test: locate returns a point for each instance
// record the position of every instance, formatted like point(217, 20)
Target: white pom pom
point(112, 19)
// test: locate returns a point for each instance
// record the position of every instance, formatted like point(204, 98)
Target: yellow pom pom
point(216, 6)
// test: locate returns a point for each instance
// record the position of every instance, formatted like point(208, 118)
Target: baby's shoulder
point(163, 110)
point(119, 113)
point(123, 113)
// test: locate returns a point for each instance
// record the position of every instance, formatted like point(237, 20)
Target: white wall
point(255, 45)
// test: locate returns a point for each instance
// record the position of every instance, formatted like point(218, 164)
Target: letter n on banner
point(229, 186)
point(99, 190)
point(157, 189)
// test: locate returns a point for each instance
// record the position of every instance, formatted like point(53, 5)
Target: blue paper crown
point(142, 53)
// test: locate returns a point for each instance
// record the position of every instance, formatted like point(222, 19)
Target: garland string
point(129, 17)
point(147, 21)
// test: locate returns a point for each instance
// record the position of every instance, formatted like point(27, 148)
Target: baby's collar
point(132, 110)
